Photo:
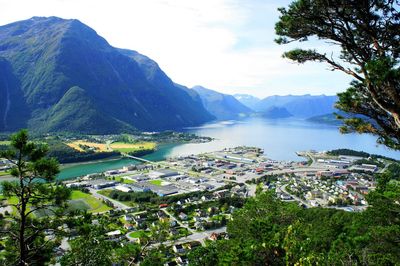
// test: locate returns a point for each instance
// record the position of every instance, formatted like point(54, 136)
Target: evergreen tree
point(367, 32)
point(31, 196)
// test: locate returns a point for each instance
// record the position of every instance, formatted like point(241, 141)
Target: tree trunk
point(22, 245)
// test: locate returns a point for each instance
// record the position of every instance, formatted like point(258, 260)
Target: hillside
point(222, 106)
point(60, 75)
point(326, 119)
point(13, 107)
point(276, 112)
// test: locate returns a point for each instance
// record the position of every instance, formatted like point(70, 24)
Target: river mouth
point(73, 170)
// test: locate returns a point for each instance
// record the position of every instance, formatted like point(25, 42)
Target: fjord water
point(100, 166)
point(280, 140)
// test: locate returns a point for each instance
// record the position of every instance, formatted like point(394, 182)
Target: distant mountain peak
point(302, 106)
point(247, 100)
point(222, 106)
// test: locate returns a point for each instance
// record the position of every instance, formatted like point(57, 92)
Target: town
point(187, 200)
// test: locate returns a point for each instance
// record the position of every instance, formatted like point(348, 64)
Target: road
point(298, 170)
point(196, 236)
point(251, 190)
point(283, 189)
point(117, 204)
point(176, 220)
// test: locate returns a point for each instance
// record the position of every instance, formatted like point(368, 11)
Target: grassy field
point(5, 142)
point(116, 146)
point(79, 199)
point(38, 214)
point(131, 147)
point(105, 192)
point(100, 147)
point(121, 179)
point(3, 173)
point(12, 200)
point(80, 204)
point(156, 182)
point(138, 234)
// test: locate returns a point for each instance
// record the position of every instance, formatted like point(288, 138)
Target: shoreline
point(109, 159)
point(112, 158)
point(67, 165)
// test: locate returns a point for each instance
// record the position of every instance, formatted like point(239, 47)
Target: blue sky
point(226, 45)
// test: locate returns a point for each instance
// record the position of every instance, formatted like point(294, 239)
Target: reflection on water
point(280, 139)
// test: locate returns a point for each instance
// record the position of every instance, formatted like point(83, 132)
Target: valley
point(205, 145)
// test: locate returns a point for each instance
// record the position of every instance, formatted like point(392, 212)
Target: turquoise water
point(101, 166)
point(280, 139)
point(90, 168)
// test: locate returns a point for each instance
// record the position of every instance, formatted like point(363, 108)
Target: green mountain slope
point(79, 112)
point(49, 56)
point(13, 109)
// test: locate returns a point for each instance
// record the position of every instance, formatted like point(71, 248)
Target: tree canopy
point(30, 195)
point(268, 231)
point(367, 32)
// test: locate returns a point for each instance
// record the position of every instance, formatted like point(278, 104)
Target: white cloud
point(222, 44)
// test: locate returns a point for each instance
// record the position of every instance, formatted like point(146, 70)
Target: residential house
point(178, 248)
point(183, 216)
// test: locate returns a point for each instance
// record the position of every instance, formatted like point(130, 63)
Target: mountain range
point(60, 75)
point(300, 106)
point(248, 100)
point(222, 106)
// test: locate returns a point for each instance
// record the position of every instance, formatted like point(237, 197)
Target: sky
point(225, 45)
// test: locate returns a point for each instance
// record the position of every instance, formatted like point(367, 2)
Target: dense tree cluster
point(138, 197)
point(91, 248)
point(268, 231)
point(349, 152)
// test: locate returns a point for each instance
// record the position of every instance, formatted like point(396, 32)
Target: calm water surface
point(280, 139)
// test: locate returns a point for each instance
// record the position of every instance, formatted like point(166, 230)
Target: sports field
point(84, 201)
point(156, 182)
